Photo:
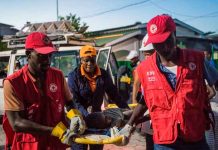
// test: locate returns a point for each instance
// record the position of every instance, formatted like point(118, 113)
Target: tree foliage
point(3, 45)
point(76, 23)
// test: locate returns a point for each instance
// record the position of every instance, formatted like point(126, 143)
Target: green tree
point(3, 45)
point(76, 23)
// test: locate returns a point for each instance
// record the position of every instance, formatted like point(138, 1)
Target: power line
point(171, 12)
point(203, 16)
point(114, 9)
point(211, 14)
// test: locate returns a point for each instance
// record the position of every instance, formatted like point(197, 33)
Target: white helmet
point(132, 54)
point(147, 47)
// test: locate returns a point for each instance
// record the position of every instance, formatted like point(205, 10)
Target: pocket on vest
point(157, 99)
point(195, 125)
point(163, 127)
point(25, 141)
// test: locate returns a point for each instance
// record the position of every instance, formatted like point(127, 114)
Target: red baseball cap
point(39, 42)
point(159, 28)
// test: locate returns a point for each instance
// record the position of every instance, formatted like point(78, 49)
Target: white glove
point(126, 132)
point(77, 124)
point(114, 132)
point(68, 137)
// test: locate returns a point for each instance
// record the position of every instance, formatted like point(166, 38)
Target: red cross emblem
point(153, 28)
point(53, 87)
point(192, 66)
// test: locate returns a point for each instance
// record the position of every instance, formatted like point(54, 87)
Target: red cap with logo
point(40, 43)
point(159, 28)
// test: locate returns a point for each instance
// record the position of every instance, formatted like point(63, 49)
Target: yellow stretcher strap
point(98, 139)
point(115, 106)
point(73, 113)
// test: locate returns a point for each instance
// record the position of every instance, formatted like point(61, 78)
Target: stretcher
point(98, 139)
point(108, 136)
point(99, 136)
point(132, 106)
point(91, 136)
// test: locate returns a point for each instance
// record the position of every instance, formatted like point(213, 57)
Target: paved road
point(137, 142)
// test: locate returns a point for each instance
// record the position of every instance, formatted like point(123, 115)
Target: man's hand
point(65, 135)
point(77, 124)
point(126, 132)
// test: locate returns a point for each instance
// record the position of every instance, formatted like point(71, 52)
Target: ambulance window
point(20, 61)
point(4, 61)
point(113, 63)
point(102, 59)
point(65, 61)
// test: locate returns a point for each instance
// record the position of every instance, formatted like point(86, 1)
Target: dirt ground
point(2, 138)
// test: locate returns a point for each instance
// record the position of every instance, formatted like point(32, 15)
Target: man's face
point(134, 61)
point(167, 48)
point(148, 53)
point(39, 62)
point(207, 55)
point(89, 63)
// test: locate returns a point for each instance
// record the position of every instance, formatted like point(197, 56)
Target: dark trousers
point(182, 145)
point(149, 142)
point(76, 146)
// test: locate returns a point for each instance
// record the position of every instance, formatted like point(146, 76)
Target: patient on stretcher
point(110, 118)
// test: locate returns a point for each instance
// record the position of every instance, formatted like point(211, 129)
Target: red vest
point(46, 110)
point(182, 109)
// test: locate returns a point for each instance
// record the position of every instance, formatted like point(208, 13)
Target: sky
point(105, 14)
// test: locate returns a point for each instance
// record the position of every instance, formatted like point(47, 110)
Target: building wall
point(181, 31)
point(130, 44)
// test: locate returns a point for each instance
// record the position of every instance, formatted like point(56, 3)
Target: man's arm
point(138, 112)
point(127, 129)
point(14, 111)
point(19, 124)
point(211, 91)
point(136, 86)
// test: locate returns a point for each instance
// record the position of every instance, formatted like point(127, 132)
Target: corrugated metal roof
point(136, 27)
point(47, 27)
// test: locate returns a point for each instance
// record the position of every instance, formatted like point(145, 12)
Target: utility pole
point(57, 10)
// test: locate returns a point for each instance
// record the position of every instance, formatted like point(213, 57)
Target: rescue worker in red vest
point(137, 96)
point(133, 57)
point(174, 90)
point(34, 99)
point(89, 83)
point(147, 51)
